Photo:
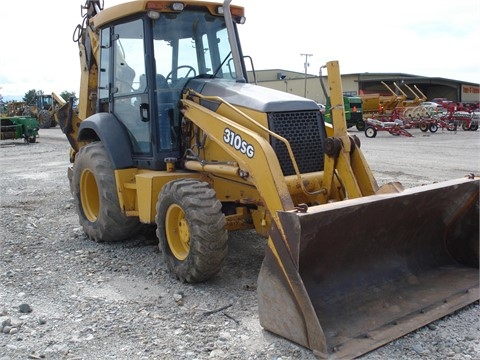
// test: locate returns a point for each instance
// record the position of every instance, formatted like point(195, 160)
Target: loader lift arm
point(342, 151)
point(264, 156)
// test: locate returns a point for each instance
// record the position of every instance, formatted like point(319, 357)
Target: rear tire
point(95, 194)
point(423, 127)
point(191, 230)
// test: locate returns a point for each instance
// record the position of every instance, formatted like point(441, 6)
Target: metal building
point(368, 83)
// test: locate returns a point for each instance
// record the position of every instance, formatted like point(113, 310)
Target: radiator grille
point(305, 132)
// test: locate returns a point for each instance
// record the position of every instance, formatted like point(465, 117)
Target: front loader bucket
point(345, 278)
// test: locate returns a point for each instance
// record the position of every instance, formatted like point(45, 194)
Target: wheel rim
point(89, 195)
point(177, 231)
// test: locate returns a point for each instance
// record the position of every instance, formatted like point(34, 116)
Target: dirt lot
point(63, 296)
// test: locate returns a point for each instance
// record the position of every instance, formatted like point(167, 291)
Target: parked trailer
point(396, 128)
point(19, 127)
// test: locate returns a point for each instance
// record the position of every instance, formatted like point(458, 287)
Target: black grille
point(305, 132)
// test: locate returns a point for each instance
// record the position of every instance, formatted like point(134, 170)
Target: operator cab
point(145, 64)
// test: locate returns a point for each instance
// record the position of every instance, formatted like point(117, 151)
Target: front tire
point(95, 194)
point(360, 125)
point(191, 230)
point(44, 119)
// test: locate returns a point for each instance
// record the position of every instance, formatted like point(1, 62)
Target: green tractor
point(352, 107)
point(353, 112)
point(19, 127)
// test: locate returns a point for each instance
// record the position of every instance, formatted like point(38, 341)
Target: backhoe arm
point(88, 46)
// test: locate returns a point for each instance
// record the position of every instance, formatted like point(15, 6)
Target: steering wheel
point(190, 70)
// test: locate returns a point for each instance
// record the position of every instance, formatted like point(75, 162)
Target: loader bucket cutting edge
point(360, 273)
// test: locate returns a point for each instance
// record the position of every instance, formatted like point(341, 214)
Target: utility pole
point(306, 64)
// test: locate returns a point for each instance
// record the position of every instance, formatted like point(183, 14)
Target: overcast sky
point(428, 38)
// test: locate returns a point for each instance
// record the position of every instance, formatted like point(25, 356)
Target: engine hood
point(252, 96)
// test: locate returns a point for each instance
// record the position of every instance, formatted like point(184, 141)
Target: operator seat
point(162, 82)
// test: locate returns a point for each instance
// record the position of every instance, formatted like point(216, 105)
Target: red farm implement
point(396, 127)
point(466, 119)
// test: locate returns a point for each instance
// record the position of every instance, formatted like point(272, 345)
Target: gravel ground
point(63, 296)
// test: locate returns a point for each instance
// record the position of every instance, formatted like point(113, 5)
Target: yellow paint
point(138, 190)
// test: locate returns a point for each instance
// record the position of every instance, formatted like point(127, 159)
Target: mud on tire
point(191, 230)
point(96, 199)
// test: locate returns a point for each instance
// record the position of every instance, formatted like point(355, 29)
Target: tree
point(66, 95)
point(2, 105)
point(29, 97)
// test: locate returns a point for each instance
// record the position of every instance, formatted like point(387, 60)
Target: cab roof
point(121, 11)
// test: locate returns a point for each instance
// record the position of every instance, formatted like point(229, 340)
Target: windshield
point(192, 43)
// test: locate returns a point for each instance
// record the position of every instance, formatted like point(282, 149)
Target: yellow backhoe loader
point(170, 132)
point(42, 109)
